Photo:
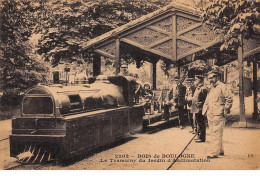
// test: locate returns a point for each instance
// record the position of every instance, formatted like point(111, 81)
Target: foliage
point(167, 67)
point(198, 67)
point(231, 18)
point(19, 67)
point(72, 22)
point(143, 74)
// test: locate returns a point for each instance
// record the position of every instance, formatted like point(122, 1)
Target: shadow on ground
point(89, 153)
point(160, 127)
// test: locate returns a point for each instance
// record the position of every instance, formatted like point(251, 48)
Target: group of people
point(198, 103)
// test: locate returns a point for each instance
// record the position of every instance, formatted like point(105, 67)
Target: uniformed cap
point(212, 74)
point(199, 77)
point(176, 77)
point(189, 79)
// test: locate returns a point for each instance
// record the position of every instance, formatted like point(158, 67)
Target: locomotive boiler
point(58, 122)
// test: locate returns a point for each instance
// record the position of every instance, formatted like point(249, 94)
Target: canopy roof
point(173, 32)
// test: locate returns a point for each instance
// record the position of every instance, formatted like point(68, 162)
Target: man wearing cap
point(179, 98)
point(188, 97)
point(198, 100)
point(216, 106)
point(147, 95)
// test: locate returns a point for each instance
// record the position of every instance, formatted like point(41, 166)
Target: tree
point(72, 22)
point(231, 18)
point(20, 67)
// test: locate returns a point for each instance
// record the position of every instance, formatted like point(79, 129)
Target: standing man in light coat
point(217, 105)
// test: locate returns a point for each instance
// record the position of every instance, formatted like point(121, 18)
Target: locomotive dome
point(59, 100)
point(60, 121)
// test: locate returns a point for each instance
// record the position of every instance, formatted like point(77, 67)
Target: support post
point(174, 37)
point(118, 59)
point(255, 113)
point(179, 71)
point(96, 65)
point(242, 122)
point(66, 78)
point(226, 74)
point(154, 73)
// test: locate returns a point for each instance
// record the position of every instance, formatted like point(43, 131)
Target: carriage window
point(37, 105)
point(75, 102)
point(92, 100)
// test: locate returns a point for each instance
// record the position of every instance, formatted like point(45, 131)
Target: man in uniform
point(147, 95)
point(198, 100)
point(217, 105)
point(179, 99)
point(188, 97)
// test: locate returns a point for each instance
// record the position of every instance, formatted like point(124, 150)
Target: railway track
point(17, 165)
point(23, 166)
point(20, 166)
point(170, 166)
point(4, 147)
point(2, 141)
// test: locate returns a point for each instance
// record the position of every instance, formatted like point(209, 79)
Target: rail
point(39, 166)
point(4, 139)
point(181, 152)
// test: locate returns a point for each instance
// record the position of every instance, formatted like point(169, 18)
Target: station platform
point(152, 120)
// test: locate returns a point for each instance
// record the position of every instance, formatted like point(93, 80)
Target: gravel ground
point(240, 144)
point(167, 141)
point(241, 152)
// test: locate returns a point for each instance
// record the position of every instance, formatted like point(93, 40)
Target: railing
point(157, 100)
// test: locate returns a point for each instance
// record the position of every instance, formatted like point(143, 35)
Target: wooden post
point(174, 37)
point(179, 71)
point(255, 113)
point(242, 122)
point(66, 78)
point(96, 65)
point(118, 59)
point(154, 73)
point(226, 74)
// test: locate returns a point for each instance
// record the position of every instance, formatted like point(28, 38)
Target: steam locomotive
point(58, 122)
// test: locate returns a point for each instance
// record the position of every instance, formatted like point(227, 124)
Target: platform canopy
point(172, 32)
